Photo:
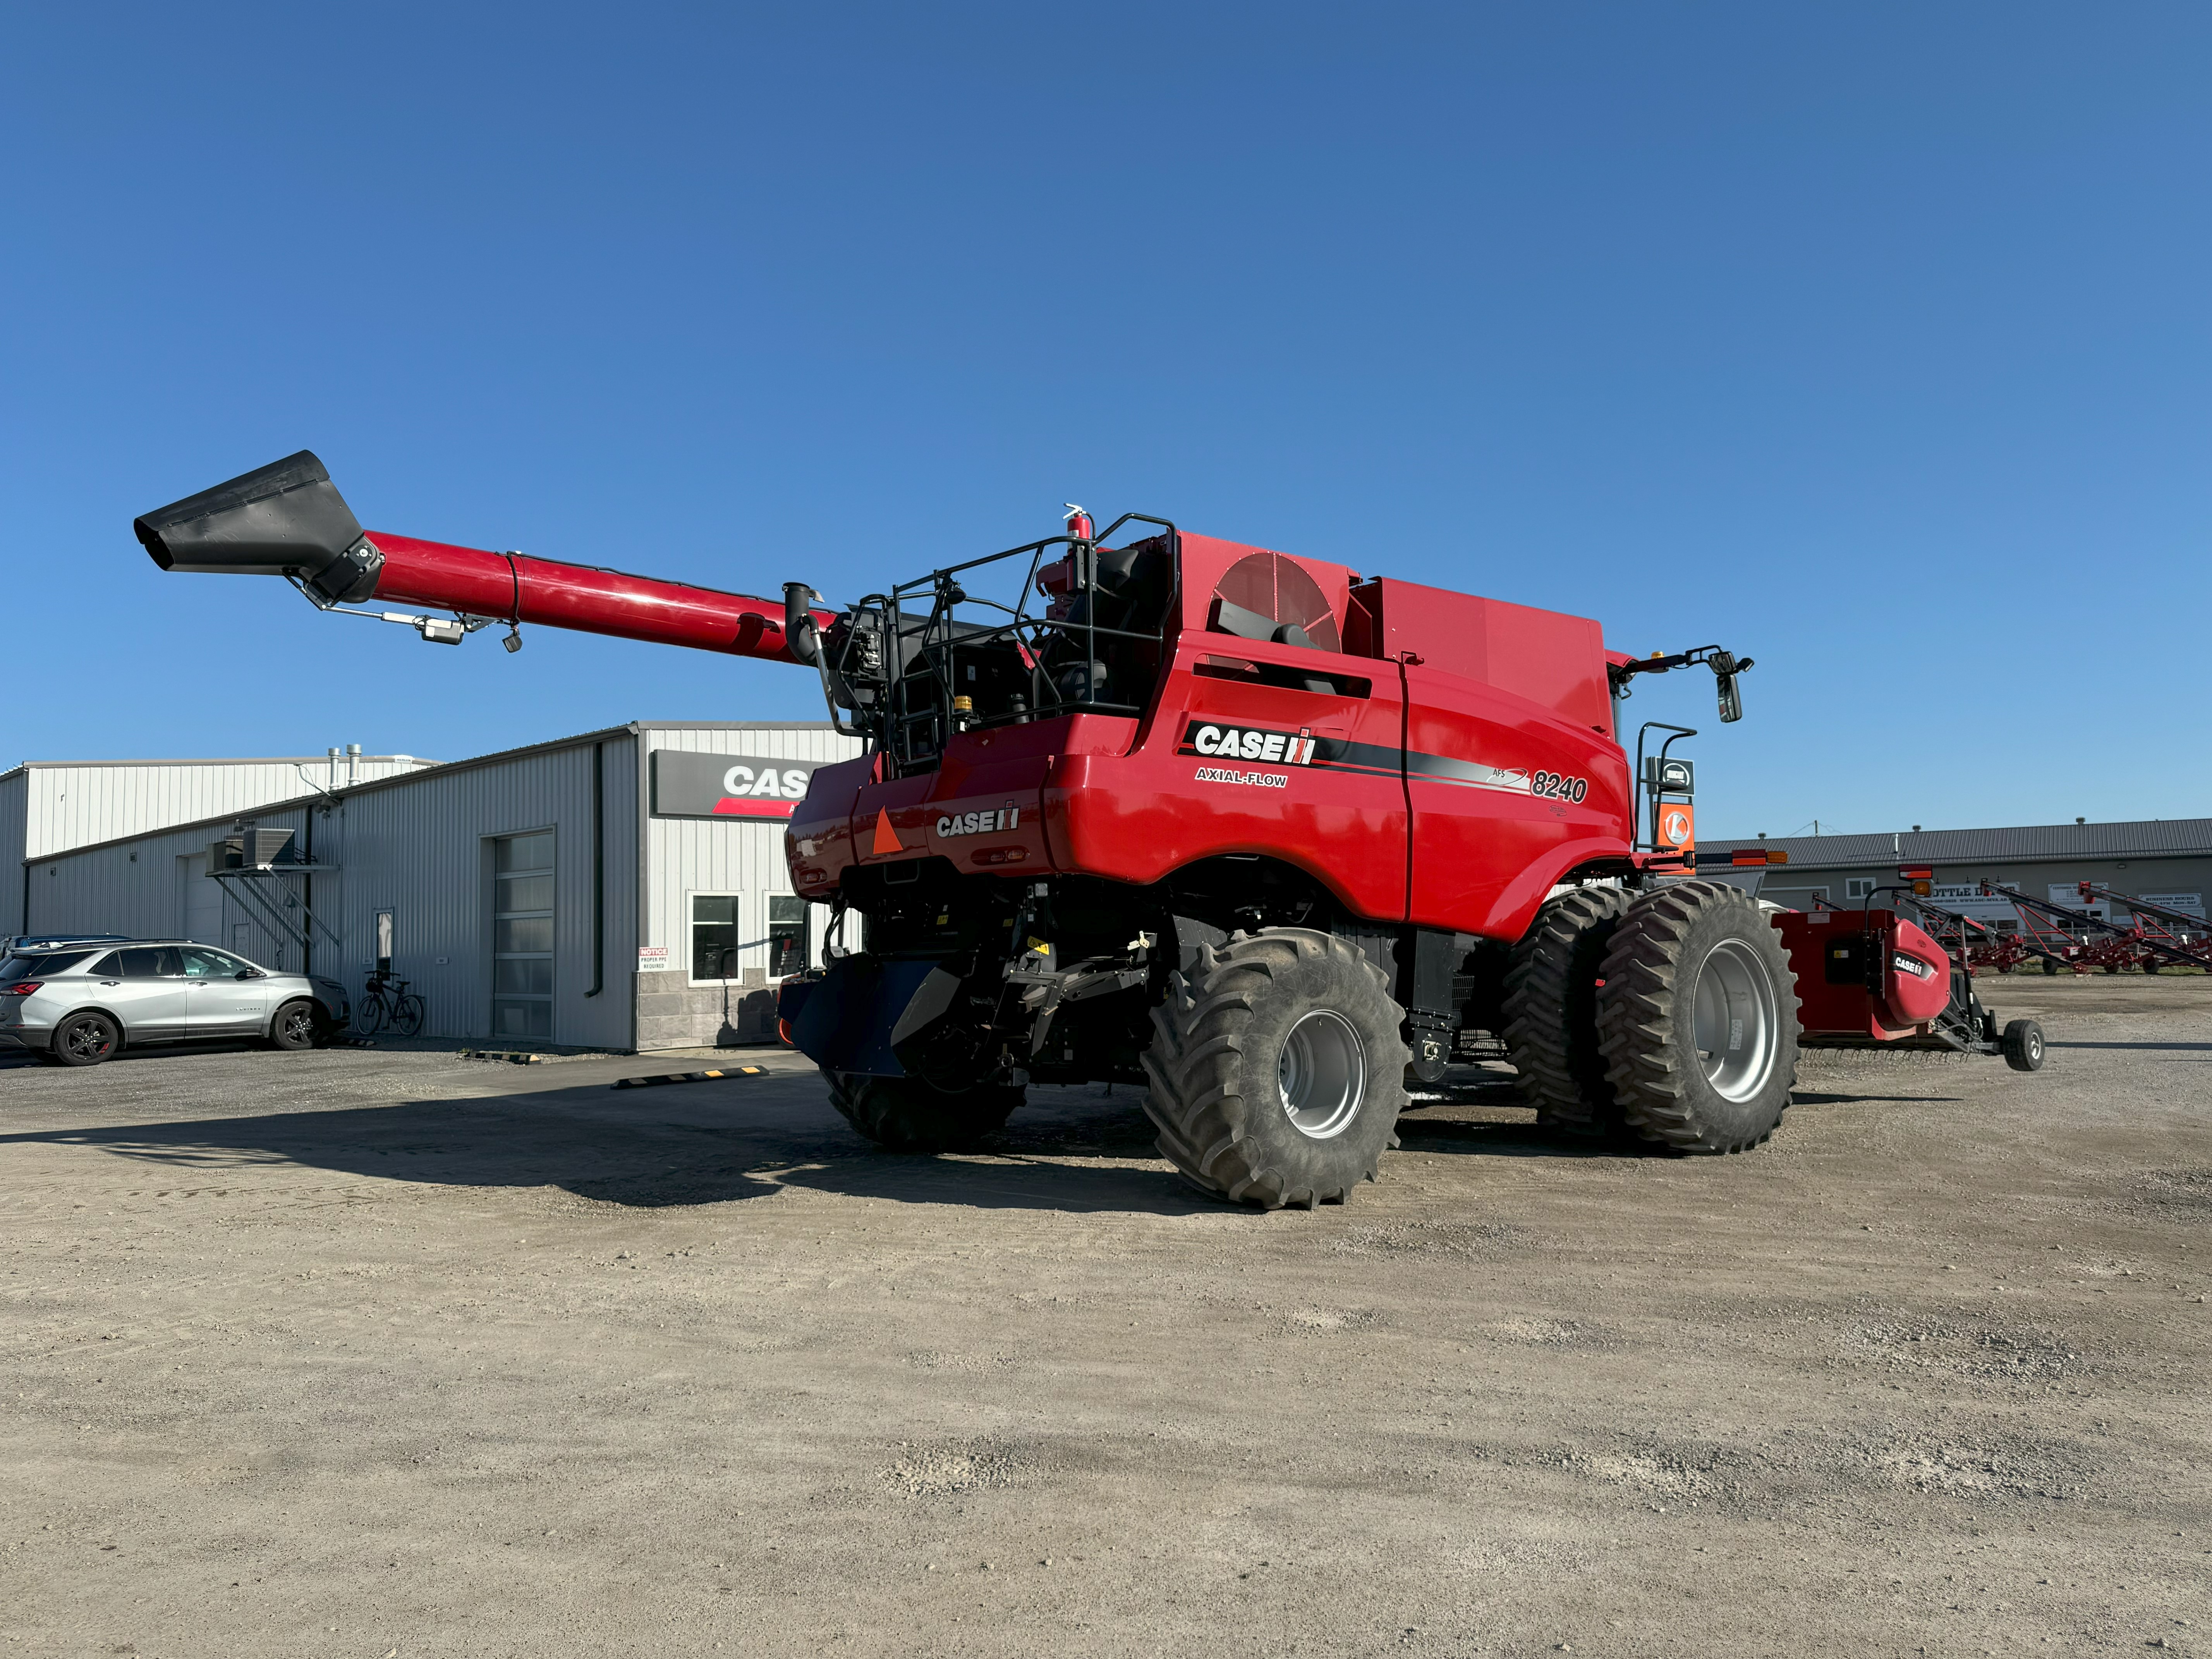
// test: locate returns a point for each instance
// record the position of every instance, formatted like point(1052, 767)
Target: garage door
point(201, 904)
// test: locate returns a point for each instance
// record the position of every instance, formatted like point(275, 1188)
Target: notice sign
point(688, 786)
point(1967, 898)
point(652, 958)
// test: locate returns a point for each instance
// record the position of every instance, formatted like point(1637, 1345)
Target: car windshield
point(39, 967)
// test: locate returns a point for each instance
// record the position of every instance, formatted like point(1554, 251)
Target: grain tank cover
point(283, 520)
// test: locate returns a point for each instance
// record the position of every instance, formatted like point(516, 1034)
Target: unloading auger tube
point(288, 519)
point(1269, 839)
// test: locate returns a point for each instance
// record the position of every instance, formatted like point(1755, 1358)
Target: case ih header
point(1257, 831)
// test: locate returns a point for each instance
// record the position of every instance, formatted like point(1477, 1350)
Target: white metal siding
point(79, 804)
point(695, 855)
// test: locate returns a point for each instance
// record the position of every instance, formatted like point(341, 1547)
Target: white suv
point(77, 1003)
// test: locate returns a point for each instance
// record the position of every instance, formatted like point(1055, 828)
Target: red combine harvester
point(1258, 832)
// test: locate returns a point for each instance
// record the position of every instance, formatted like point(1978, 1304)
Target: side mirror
point(250, 973)
point(1726, 665)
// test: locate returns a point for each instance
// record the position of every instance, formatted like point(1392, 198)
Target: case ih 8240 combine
point(1254, 830)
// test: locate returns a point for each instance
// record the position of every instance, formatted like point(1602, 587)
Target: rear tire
point(85, 1040)
point(293, 1027)
point(2149, 966)
point(1278, 1069)
point(2023, 1046)
point(2053, 966)
point(905, 1114)
point(407, 1015)
point(1697, 1018)
point(1551, 1011)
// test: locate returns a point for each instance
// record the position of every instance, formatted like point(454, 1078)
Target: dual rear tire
point(1670, 1017)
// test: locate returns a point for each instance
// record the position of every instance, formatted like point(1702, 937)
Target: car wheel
point(294, 1026)
point(85, 1040)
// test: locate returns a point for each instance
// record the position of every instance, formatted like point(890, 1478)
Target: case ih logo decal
point(1253, 743)
point(978, 823)
point(686, 785)
point(1249, 742)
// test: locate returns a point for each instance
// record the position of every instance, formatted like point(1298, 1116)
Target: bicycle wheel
point(407, 1017)
point(369, 1018)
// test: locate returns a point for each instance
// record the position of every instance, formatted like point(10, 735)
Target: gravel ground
point(386, 1354)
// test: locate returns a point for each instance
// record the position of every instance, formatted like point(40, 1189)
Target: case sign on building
point(691, 786)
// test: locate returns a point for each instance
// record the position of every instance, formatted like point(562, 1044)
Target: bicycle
point(383, 1005)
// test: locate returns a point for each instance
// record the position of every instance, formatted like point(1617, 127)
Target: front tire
point(293, 1027)
point(1697, 1018)
point(906, 1115)
point(1278, 1069)
point(85, 1040)
point(1551, 1011)
point(2023, 1046)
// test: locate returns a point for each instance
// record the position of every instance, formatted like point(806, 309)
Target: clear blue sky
point(1869, 340)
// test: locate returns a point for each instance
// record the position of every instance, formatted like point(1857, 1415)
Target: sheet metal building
point(52, 806)
point(622, 888)
point(2167, 861)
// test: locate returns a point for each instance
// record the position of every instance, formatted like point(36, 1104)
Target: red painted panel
point(555, 595)
point(1340, 814)
point(1507, 799)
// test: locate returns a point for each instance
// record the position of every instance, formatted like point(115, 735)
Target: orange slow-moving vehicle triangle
point(887, 839)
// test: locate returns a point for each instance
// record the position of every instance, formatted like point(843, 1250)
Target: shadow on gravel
point(708, 1143)
point(1800, 1098)
point(2171, 1046)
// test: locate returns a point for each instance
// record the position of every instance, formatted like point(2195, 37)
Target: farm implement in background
point(2078, 940)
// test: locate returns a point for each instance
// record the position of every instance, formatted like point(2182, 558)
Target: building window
point(714, 943)
point(522, 936)
point(1859, 887)
point(786, 935)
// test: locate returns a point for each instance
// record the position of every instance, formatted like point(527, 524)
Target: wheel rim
point(298, 1027)
point(1322, 1075)
point(1737, 1018)
point(85, 1040)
